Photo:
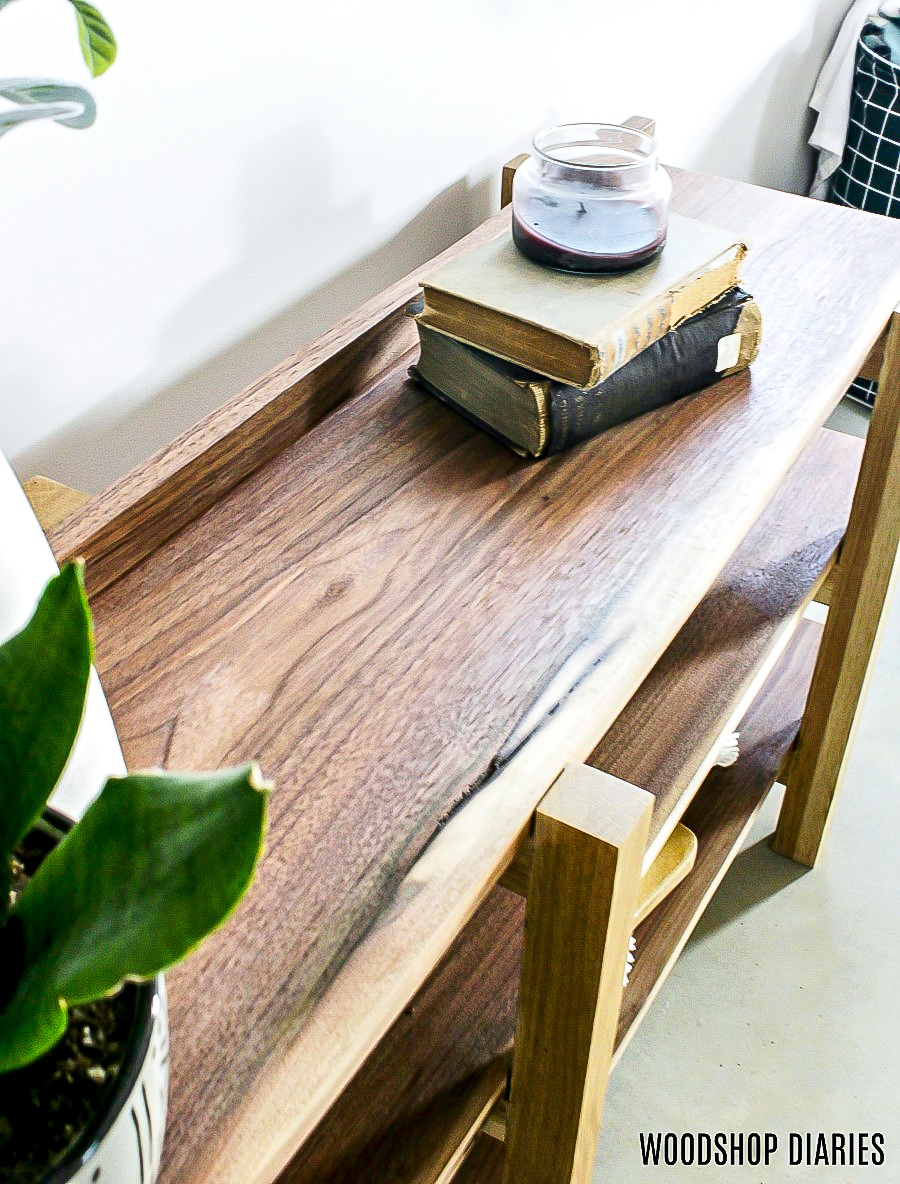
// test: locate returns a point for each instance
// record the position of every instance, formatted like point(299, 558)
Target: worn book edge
point(467, 413)
point(483, 300)
point(458, 369)
point(562, 357)
point(749, 329)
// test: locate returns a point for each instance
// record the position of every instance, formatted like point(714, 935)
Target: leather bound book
point(537, 416)
point(578, 329)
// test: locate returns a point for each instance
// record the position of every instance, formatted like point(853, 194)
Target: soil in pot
point(50, 1107)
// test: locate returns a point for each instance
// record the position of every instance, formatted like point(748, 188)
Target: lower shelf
point(432, 1080)
point(721, 816)
point(667, 738)
point(483, 1164)
point(420, 1099)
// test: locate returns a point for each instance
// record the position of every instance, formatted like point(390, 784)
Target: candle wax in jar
point(586, 236)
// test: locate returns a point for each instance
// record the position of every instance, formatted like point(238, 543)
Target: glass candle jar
point(593, 197)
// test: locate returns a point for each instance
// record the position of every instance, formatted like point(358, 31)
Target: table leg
point(590, 836)
point(861, 592)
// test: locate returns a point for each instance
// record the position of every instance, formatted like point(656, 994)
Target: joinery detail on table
point(759, 654)
point(864, 579)
point(278, 582)
point(589, 841)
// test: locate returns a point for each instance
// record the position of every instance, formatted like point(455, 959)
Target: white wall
point(259, 169)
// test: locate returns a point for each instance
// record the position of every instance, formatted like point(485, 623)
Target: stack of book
point(544, 359)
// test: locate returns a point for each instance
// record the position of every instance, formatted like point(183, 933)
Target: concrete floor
point(782, 1013)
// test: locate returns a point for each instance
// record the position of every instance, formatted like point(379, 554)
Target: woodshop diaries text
point(736, 1148)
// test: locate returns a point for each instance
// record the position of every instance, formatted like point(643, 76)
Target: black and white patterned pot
point(123, 1144)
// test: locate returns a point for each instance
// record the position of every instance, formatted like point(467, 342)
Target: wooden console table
point(337, 575)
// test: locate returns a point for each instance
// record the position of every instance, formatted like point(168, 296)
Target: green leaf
point(98, 45)
point(156, 863)
point(44, 672)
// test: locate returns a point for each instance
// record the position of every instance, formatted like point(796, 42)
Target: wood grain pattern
point(864, 577)
point(484, 1164)
point(675, 861)
point(589, 840)
point(825, 590)
point(671, 865)
point(517, 876)
point(51, 501)
point(372, 613)
point(436, 1072)
point(131, 518)
point(507, 177)
point(720, 816)
point(872, 366)
point(669, 735)
point(722, 813)
point(496, 1122)
point(734, 636)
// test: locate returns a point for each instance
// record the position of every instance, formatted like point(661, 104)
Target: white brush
point(730, 751)
point(629, 960)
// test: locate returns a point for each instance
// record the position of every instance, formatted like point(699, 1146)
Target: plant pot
point(122, 1143)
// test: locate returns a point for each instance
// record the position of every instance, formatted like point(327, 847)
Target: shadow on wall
point(766, 148)
point(290, 228)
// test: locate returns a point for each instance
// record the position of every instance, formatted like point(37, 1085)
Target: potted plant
point(71, 106)
point(91, 913)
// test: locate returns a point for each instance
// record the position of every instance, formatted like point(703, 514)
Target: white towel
point(832, 95)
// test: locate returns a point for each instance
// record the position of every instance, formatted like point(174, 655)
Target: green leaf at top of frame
point(98, 45)
point(155, 864)
point(44, 672)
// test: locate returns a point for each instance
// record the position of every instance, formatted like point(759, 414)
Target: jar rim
point(645, 146)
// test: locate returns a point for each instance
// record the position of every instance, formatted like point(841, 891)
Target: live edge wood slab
point(337, 575)
point(427, 1085)
point(445, 1059)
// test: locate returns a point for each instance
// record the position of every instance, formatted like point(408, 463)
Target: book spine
point(673, 308)
point(461, 409)
point(628, 341)
point(708, 346)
